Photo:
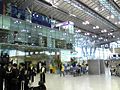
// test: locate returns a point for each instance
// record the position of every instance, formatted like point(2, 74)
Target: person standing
point(62, 69)
point(21, 75)
point(14, 77)
point(1, 77)
point(32, 73)
point(42, 74)
point(8, 77)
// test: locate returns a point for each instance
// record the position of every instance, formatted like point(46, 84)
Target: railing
point(24, 32)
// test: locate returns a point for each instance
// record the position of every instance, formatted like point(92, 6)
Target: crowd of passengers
point(14, 77)
point(75, 69)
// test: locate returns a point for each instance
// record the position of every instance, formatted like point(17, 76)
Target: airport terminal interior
point(59, 44)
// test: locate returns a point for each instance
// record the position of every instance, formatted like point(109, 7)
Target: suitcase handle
point(23, 85)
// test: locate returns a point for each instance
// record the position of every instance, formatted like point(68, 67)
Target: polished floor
point(85, 82)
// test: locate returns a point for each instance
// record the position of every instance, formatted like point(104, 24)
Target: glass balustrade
point(27, 33)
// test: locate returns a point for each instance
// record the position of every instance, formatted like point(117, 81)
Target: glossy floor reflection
point(85, 82)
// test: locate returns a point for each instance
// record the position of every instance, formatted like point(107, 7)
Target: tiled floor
point(85, 82)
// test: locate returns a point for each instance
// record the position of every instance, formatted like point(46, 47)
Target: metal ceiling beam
point(97, 15)
point(26, 3)
point(62, 11)
point(114, 4)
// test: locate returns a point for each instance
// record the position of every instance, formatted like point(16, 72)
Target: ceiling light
point(94, 27)
point(112, 16)
point(87, 22)
point(119, 22)
point(97, 9)
point(115, 0)
point(100, 38)
point(73, 15)
point(108, 17)
point(78, 30)
point(116, 23)
point(110, 34)
point(94, 36)
point(87, 34)
point(97, 27)
point(29, 36)
point(38, 26)
point(36, 15)
point(103, 31)
point(105, 40)
point(83, 23)
point(33, 14)
point(40, 33)
point(103, 9)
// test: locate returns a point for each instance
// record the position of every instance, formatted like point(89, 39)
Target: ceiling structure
point(98, 19)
